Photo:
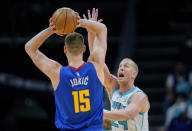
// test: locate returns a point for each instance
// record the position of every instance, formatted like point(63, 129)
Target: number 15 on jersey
point(79, 98)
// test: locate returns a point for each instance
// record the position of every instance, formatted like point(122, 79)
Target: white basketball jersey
point(118, 101)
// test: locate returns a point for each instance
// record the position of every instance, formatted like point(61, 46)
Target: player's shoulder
point(141, 98)
point(139, 94)
point(139, 91)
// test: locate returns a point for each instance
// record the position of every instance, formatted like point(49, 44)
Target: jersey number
point(79, 98)
point(124, 123)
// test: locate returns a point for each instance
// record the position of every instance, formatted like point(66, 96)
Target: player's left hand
point(92, 16)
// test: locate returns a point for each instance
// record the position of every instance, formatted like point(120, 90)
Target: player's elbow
point(104, 28)
point(127, 117)
point(123, 117)
point(130, 115)
point(27, 48)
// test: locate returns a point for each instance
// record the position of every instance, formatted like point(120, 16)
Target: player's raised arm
point(91, 35)
point(47, 66)
point(97, 57)
point(138, 104)
point(109, 79)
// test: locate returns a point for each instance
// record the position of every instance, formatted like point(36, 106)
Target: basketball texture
point(65, 20)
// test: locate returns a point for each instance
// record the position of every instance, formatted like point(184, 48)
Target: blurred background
point(156, 34)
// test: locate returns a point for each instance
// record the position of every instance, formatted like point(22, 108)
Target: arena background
point(154, 33)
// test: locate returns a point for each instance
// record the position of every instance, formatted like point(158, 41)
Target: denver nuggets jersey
point(118, 101)
point(79, 99)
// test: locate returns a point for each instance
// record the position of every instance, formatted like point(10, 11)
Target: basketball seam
point(73, 22)
point(65, 22)
point(58, 16)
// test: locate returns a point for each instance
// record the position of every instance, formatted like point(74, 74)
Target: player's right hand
point(52, 27)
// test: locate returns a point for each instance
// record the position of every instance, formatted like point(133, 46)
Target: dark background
point(154, 33)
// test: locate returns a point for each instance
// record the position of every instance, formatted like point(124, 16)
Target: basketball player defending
point(129, 104)
point(77, 87)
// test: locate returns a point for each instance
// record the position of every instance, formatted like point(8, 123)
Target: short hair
point(135, 66)
point(74, 43)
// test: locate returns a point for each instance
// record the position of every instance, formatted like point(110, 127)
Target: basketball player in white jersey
point(129, 104)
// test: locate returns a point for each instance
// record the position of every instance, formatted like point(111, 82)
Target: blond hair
point(74, 43)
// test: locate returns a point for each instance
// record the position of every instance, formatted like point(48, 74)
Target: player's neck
point(126, 87)
point(76, 61)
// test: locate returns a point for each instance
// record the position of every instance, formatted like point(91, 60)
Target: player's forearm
point(93, 26)
point(108, 89)
point(38, 40)
point(108, 81)
point(115, 115)
point(91, 38)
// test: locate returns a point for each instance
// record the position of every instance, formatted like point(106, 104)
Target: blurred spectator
point(178, 82)
point(179, 115)
point(181, 122)
point(189, 103)
point(176, 109)
point(186, 50)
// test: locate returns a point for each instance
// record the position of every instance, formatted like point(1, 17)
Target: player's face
point(125, 71)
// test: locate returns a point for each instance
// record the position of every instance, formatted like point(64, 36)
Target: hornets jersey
point(118, 101)
point(79, 99)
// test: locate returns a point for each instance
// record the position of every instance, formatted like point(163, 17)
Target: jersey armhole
point(114, 92)
point(128, 101)
point(60, 75)
point(95, 72)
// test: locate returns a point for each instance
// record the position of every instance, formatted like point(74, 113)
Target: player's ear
point(134, 74)
point(65, 49)
point(84, 49)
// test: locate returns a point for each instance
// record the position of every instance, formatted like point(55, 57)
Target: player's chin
point(122, 80)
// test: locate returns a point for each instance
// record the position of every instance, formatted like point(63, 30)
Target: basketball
point(65, 20)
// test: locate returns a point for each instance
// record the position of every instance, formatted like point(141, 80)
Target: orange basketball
point(65, 20)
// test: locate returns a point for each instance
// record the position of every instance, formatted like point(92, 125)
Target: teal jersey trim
point(114, 124)
point(126, 93)
point(128, 101)
point(140, 113)
point(124, 123)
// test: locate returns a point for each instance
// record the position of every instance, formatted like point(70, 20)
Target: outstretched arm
point(91, 36)
point(49, 67)
point(98, 51)
point(138, 103)
point(110, 81)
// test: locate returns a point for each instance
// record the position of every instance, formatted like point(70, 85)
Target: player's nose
point(121, 68)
